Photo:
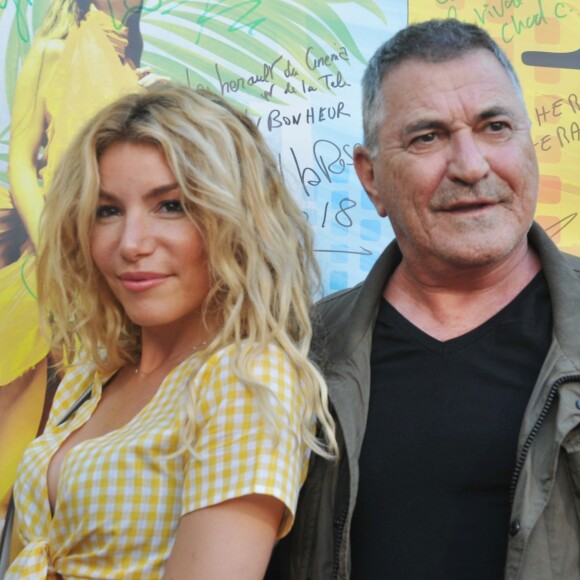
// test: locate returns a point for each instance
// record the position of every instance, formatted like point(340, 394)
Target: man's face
point(455, 170)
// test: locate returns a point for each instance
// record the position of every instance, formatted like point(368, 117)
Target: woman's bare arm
point(233, 539)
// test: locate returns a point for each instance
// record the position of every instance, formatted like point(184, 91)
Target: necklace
point(178, 356)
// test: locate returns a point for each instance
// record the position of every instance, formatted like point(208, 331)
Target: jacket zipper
point(541, 418)
point(339, 525)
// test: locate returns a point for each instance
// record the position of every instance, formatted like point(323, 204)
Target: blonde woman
point(177, 269)
point(84, 56)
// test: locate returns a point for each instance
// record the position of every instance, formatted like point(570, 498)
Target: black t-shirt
point(440, 444)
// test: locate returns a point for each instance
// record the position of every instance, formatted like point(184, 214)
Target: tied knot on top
point(34, 561)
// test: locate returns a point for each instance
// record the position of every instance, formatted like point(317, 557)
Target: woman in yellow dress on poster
point(85, 55)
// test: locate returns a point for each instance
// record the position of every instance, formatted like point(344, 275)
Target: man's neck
point(448, 304)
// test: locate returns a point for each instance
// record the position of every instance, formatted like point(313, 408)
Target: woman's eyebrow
point(154, 192)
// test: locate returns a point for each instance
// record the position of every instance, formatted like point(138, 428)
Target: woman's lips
point(140, 281)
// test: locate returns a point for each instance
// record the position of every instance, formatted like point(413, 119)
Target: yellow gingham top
point(119, 498)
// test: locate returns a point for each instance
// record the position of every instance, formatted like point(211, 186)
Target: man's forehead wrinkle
point(492, 83)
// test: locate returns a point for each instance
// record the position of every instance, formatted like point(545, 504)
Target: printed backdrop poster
point(295, 67)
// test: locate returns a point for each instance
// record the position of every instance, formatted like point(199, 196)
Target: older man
point(454, 368)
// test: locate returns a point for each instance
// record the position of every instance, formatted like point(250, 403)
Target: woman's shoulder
point(237, 371)
point(249, 356)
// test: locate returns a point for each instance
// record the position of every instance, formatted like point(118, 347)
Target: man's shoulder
point(551, 255)
point(338, 300)
point(370, 289)
point(336, 324)
point(334, 315)
point(340, 319)
point(572, 261)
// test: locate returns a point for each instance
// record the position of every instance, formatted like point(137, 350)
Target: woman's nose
point(137, 238)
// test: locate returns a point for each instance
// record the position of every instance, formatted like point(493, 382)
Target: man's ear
point(364, 165)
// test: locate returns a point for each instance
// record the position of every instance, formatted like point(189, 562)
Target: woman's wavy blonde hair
point(258, 242)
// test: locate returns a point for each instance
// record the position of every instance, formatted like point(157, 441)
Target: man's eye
point(172, 206)
point(105, 211)
point(497, 126)
point(426, 138)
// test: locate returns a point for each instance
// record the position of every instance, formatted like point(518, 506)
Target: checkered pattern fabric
point(120, 497)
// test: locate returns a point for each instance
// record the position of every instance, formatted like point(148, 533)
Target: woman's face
point(147, 249)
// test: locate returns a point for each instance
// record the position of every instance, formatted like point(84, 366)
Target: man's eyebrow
point(422, 125)
point(435, 125)
point(494, 112)
point(152, 193)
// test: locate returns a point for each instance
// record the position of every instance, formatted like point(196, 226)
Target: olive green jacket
point(544, 533)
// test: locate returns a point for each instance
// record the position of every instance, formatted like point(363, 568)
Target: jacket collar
point(352, 319)
point(562, 272)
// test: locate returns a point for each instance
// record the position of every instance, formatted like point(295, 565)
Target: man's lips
point(469, 206)
point(139, 281)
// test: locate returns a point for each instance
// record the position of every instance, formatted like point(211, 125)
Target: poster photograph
point(295, 67)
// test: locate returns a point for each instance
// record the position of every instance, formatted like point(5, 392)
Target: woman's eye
point(172, 206)
point(105, 211)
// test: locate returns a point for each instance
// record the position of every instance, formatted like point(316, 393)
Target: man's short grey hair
point(432, 41)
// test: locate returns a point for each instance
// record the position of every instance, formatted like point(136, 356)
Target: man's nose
point(468, 163)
